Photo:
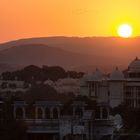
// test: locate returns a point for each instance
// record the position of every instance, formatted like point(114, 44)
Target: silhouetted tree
point(54, 73)
point(74, 74)
point(35, 73)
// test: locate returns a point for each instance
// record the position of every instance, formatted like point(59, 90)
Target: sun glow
point(125, 30)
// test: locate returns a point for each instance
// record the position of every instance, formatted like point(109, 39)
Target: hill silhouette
point(71, 52)
point(39, 54)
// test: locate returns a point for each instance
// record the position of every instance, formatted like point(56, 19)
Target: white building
point(116, 88)
point(14, 86)
point(66, 85)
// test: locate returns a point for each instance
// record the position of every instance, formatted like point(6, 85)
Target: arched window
point(4, 85)
point(30, 112)
point(55, 113)
point(19, 113)
point(39, 113)
point(105, 114)
point(79, 112)
point(47, 113)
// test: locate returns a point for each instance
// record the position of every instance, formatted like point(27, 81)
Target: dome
point(93, 77)
point(85, 78)
point(116, 75)
point(97, 76)
point(135, 64)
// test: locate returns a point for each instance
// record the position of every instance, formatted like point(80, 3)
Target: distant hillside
point(71, 52)
point(86, 45)
point(38, 54)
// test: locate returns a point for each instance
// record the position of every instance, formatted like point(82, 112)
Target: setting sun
point(125, 30)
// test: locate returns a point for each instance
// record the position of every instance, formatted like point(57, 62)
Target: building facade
point(14, 86)
point(116, 88)
point(56, 121)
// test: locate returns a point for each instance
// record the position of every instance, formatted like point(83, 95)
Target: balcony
point(106, 122)
point(42, 125)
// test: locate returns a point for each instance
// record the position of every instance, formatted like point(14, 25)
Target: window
point(138, 92)
point(97, 113)
point(105, 113)
point(129, 102)
point(4, 85)
point(128, 94)
point(79, 112)
point(134, 75)
point(39, 114)
point(138, 103)
point(55, 113)
point(19, 113)
point(47, 113)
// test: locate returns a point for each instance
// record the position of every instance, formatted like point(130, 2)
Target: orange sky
point(35, 18)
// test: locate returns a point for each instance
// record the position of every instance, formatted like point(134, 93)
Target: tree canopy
point(33, 72)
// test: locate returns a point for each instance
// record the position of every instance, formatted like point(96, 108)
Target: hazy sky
point(35, 18)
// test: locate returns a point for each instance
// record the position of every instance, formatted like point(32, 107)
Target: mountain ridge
point(78, 52)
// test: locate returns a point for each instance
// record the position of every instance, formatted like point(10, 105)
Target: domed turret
point(96, 76)
point(99, 74)
point(135, 64)
point(116, 75)
point(85, 78)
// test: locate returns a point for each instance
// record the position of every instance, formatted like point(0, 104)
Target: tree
point(54, 72)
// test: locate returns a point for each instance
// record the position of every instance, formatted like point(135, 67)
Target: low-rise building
point(58, 121)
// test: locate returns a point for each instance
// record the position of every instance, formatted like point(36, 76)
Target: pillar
point(73, 111)
point(58, 111)
point(112, 137)
point(108, 113)
point(101, 113)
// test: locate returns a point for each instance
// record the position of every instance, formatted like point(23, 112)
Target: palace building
point(118, 87)
point(54, 120)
